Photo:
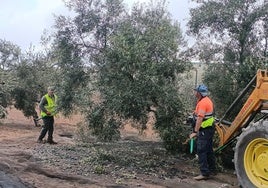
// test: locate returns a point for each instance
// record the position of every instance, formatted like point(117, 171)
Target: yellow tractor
point(250, 131)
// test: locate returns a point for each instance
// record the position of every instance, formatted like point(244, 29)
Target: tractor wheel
point(251, 156)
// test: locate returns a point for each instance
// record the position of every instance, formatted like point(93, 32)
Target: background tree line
point(113, 65)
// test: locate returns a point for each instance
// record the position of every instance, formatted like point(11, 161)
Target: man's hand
point(48, 113)
point(192, 135)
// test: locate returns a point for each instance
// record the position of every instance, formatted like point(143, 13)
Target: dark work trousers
point(48, 127)
point(205, 152)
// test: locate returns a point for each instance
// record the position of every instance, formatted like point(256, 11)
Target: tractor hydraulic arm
point(255, 102)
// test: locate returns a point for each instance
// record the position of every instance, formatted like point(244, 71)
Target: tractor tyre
point(251, 156)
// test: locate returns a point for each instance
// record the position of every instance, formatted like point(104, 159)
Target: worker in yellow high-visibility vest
point(47, 106)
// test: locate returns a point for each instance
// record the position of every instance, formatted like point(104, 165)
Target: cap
point(202, 89)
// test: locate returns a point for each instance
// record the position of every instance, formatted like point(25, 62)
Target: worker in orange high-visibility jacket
point(204, 130)
point(47, 107)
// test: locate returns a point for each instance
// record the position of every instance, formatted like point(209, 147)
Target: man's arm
point(197, 127)
point(198, 123)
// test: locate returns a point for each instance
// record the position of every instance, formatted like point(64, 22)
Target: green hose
point(191, 145)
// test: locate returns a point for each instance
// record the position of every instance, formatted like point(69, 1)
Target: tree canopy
point(115, 65)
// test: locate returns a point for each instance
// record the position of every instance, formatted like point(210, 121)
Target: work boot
point(40, 141)
point(51, 142)
point(201, 177)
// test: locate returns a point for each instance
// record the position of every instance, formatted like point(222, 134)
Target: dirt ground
point(65, 166)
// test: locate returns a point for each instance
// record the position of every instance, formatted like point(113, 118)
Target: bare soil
point(134, 161)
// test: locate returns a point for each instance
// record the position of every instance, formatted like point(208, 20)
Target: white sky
point(22, 22)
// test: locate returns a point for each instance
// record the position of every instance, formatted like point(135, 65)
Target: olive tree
point(21, 79)
point(128, 60)
point(33, 76)
point(140, 74)
point(9, 56)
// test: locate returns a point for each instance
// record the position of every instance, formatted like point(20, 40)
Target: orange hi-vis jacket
point(204, 109)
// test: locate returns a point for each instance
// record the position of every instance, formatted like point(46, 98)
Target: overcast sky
point(22, 22)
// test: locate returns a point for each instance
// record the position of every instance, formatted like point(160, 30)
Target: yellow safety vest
point(50, 106)
point(208, 122)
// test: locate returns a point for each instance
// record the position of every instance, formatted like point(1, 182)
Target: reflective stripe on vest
point(50, 106)
point(207, 123)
